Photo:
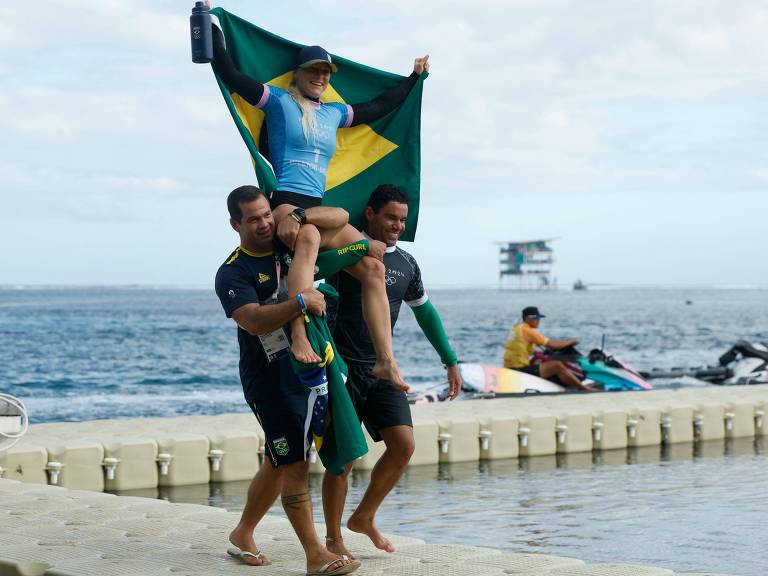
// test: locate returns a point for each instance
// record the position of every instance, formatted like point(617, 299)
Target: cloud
point(710, 40)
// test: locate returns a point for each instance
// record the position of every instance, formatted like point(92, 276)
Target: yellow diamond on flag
point(357, 148)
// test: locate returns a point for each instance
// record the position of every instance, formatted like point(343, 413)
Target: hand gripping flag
point(331, 418)
point(386, 151)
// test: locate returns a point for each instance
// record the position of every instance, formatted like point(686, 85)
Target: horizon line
point(596, 286)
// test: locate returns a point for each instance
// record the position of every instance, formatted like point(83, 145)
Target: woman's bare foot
point(301, 348)
point(337, 546)
point(368, 527)
point(325, 561)
point(388, 370)
point(244, 543)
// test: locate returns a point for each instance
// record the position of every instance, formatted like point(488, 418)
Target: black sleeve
point(235, 80)
point(415, 291)
point(234, 289)
point(383, 104)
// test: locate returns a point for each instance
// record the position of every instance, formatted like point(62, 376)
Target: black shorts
point(377, 402)
point(532, 369)
point(280, 404)
point(279, 197)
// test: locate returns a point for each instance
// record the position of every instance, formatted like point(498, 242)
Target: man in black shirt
point(249, 286)
point(383, 408)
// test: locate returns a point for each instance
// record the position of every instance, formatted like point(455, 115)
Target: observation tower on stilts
point(526, 265)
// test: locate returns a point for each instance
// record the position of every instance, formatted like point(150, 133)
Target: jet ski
point(744, 363)
point(487, 381)
point(608, 372)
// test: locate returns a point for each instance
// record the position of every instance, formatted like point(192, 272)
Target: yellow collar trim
point(256, 254)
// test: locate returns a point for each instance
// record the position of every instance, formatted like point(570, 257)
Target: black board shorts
point(280, 405)
point(532, 369)
point(279, 197)
point(377, 402)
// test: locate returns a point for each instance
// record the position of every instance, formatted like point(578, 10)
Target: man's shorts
point(377, 402)
point(532, 369)
point(280, 404)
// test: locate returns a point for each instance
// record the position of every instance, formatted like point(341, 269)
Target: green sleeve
point(430, 323)
point(329, 262)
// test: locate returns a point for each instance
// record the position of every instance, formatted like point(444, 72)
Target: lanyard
point(277, 277)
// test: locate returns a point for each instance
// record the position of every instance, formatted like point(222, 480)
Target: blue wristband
point(302, 304)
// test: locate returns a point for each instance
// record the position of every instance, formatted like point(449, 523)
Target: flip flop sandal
point(243, 554)
point(345, 569)
point(330, 540)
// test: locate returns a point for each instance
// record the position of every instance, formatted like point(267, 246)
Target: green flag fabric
point(386, 151)
point(340, 439)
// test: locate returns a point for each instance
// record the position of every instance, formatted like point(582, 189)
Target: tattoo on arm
point(295, 501)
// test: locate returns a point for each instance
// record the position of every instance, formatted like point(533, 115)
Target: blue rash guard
point(301, 164)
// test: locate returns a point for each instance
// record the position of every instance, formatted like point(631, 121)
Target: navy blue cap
point(532, 311)
point(312, 55)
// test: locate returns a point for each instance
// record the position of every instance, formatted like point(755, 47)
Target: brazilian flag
point(332, 420)
point(387, 151)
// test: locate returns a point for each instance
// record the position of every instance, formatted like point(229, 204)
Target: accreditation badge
point(275, 344)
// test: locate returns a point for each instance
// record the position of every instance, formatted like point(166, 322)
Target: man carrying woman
point(302, 141)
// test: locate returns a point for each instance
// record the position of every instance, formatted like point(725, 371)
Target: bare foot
point(337, 546)
point(244, 542)
point(319, 563)
point(388, 370)
point(368, 527)
point(302, 349)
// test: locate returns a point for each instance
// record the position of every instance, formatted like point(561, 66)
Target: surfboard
point(488, 379)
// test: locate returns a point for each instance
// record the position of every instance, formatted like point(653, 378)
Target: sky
point(634, 132)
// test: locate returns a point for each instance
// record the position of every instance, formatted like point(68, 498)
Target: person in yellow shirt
point(522, 339)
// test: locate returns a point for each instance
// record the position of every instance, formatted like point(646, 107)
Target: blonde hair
point(308, 111)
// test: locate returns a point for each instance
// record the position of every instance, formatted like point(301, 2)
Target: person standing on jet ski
point(522, 339)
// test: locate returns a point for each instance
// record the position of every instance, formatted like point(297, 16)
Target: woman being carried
point(302, 139)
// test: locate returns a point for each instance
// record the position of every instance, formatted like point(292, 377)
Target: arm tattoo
point(295, 501)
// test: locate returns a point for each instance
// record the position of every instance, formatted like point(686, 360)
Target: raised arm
point(236, 81)
point(391, 99)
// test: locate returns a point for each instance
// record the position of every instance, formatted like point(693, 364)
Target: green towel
point(343, 440)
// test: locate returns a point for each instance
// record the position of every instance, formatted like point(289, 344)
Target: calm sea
point(88, 353)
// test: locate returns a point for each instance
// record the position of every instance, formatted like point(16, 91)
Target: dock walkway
point(52, 531)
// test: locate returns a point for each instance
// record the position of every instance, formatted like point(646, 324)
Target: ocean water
point(90, 353)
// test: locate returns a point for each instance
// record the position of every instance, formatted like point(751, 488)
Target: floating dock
point(118, 455)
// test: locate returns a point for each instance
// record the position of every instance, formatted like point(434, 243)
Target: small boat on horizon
point(579, 285)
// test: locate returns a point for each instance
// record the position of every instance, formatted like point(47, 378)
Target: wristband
point(302, 306)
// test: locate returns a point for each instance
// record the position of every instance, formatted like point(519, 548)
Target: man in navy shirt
point(380, 406)
point(251, 288)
